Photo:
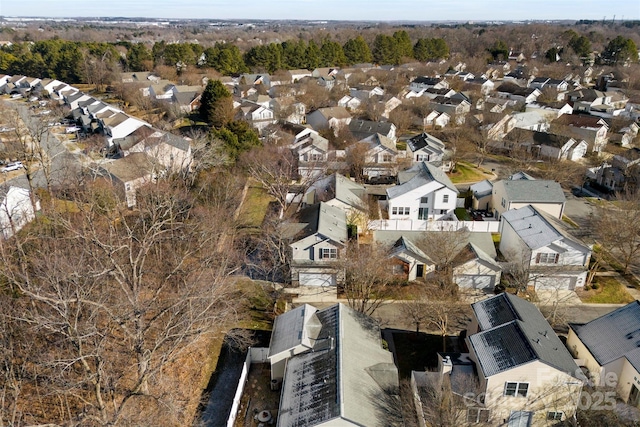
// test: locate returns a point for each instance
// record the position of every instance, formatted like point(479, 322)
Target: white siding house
point(555, 261)
point(427, 193)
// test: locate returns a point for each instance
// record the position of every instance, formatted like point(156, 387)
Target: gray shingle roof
point(422, 140)
point(533, 191)
point(344, 377)
point(326, 220)
point(613, 335)
point(293, 327)
point(532, 227)
point(514, 332)
point(482, 188)
point(423, 174)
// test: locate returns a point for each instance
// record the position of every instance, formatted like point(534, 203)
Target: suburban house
point(622, 173)
point(129, 173)
point(433, 120)
point(517, 93)
point(380, 158)
point(549, 83)
point(454, 107)
point(258, 116)
point(187, 101)
point(517, 371)
point(422, 83)
point(538, 244)
point(16, 209)
point(548, 145)
point(361, 129)
point(349, 102)
point(609, 348)
point(425, 192)
point(119, 125)
point(364, 92)
point(589, 128)
point(481, 193)
point(171, 151)
point(339, 191)
point(597, 103)
point(288, 109)
point(318, 239)
point(310, 148)
point(317, 357)
point(545, 195)
point(329, 118)
point(485, 86)
point(407, 258)
point(427, 148)
point(474, 263)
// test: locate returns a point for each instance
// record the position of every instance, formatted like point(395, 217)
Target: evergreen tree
point(384, 49)
point(499, 50)
point(312, 55)
point(237, 137)
point(357, 51)
point(620, 50)
point(216, 104)
point(138, 56)
point(332, 54)
point(580, 45)
point(404, 49)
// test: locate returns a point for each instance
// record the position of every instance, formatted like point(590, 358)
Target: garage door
point(476, 281)
point(317, 279)
point(555, 283)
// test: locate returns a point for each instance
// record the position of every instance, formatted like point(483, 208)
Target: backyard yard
point(605, 290)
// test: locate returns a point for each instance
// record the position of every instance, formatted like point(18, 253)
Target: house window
point(400, 211)
point(555, 415)
point(424, 200)
point(477, 415)
point(503, 203)
point(445, 198)
point(547, 258)
point(315, 157)
point(387, 158)
point(423, 213)
point(422, 158)
point(516, 389)
point(328, 253)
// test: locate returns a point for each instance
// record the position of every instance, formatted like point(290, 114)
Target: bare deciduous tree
point(618, 228)
point(121, 294)
point(368, 276)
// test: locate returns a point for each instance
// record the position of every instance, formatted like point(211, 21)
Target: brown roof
point(579, 120)
point(131, 167)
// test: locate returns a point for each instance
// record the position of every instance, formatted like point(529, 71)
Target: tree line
point(71, 61)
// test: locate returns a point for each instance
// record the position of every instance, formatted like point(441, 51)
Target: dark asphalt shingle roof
point(613, 335)
point(514, 333)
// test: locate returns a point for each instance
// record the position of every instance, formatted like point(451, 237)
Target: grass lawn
point(462, 214)
point(254, 207)
point(466, 172)
point(418, 352)
point(609, 291)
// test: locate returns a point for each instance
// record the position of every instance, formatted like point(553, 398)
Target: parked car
point(13, 167)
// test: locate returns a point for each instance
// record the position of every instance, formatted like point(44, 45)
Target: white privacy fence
point(254, 355)
point(426, 225)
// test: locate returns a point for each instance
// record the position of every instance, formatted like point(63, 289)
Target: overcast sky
point(375, 10)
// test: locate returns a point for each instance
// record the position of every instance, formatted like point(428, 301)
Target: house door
point(634, 396)
point(420, 270)
point(423, 213)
